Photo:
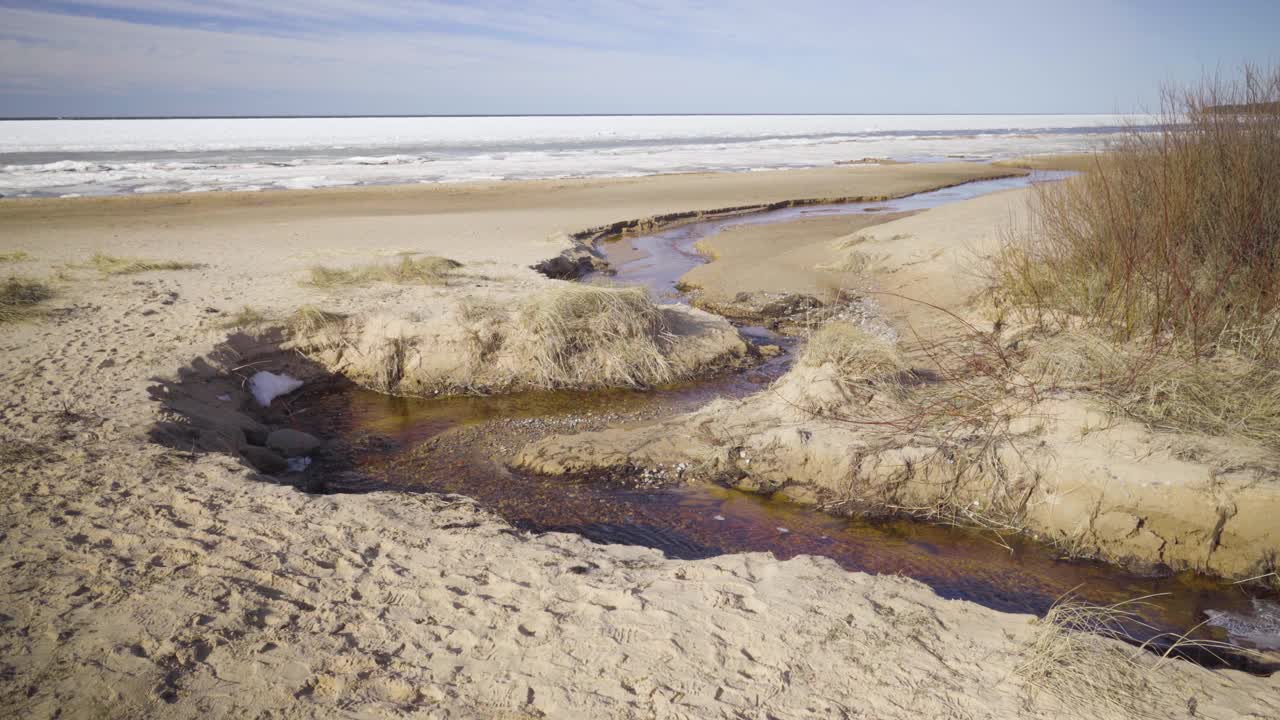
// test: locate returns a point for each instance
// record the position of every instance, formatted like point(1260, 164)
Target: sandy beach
point(147, 578)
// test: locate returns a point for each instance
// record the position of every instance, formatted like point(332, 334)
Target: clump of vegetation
point(112, 265)
point(1090, 655)
point(19, 297)
point(1073, 656)
point(309, 319)
point(1175, 235)
point(583, 335)
point(1228, 395)
point(858, 356)
point(1168, 253)
point(15, 256)
point(246, 317)
point(428, 270)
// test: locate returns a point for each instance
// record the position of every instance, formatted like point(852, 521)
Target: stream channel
point(450, 446)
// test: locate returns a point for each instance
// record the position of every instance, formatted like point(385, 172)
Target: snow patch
point(267, 386)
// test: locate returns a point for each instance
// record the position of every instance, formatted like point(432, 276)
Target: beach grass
point(113, 265)
point(245, 317)
point(309, 319)
point(430, 270)
point(1226, 395)
point(20, 298)
point(1089, 654)
point(858, 356)
point(15, 256)
point(593, 336)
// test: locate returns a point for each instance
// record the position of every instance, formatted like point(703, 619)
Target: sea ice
point(138, 156)
point(267, 386)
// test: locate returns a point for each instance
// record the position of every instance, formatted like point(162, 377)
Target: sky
point(356, 57)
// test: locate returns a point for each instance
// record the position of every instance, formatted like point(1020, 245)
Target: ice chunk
point(267, 386)
point(1261, 628)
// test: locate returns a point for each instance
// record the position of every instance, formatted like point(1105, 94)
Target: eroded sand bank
point(1060, 465)
point(143, 580)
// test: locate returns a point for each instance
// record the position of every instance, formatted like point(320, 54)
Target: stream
point(449, 445)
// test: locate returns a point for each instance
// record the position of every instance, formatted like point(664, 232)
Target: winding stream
point(412, 453)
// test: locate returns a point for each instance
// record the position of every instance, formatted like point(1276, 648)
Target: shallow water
point(658, 260)
point(1007, 573)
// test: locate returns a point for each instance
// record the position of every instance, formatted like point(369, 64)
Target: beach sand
point(786, 258)
point(144, 580)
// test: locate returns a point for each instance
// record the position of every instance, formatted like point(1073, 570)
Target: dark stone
point(292, 443)
point(264, 460)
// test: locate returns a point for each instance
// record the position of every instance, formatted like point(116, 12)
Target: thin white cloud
point(102, 56)
point(592, 56)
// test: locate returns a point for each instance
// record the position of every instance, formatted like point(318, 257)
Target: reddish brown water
point(701, 520)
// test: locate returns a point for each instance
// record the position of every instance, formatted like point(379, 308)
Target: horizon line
point(19, 118)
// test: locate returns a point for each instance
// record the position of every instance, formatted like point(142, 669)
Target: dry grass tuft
point(429, 270)
point(15, 256)
point(582, 335)
point(316, 330)
point(19, 298)
point(308, 320)
point(1090, 655)
point(1073, 656)
point(111, 265)
point(859, 357)
point(1226, 395)
point(246, 317)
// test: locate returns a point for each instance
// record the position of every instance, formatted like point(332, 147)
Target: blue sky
point(253, 57)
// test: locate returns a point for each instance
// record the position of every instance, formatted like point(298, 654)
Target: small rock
point(264, 460)
point(292, 443)
point(227, 440)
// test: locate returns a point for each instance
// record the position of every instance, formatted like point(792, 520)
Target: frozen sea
point(104, 157)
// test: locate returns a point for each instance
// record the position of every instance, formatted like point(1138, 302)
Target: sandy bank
point(752, 265)
point(1075, 162)
point(1057, 464)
